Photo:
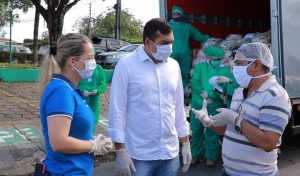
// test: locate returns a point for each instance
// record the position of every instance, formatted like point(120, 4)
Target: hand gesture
point(226, 116)
point(202, 114)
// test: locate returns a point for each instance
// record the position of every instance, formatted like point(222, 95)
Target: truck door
point(290, 26)
point(276, 40)
point(288, 52)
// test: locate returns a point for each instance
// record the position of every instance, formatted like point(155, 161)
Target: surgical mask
point(90, 66)
point(242, 77)
point(215, 63)
point(162, 52)
point(176, 16)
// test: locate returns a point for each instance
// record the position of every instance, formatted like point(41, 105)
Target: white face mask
point(242, 77)
point(90, 66)
point(162, 52)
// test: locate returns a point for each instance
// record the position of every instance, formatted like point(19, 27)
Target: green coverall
point(181, 47)
point(200, 82)
point(96, 82)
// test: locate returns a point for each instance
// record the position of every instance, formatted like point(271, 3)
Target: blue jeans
point(156, 167)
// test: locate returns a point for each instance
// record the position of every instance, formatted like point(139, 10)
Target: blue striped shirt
point(268, 108)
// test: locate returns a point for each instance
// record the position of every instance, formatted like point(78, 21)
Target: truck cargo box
point(218, 18)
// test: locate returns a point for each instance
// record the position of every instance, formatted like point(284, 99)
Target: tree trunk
point(35, 37)
point(55, 31)
point(55, 25)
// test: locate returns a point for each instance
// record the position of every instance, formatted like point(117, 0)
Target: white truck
point(218, 18)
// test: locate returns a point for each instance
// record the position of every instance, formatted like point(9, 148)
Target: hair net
point(177, 9)
point(214, 52)
point(253, 51)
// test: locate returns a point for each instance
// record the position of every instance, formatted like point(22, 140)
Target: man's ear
point(147, 41)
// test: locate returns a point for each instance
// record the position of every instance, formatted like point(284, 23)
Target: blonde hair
point(71, 44)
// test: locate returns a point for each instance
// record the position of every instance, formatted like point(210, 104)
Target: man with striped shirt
point(259, 113)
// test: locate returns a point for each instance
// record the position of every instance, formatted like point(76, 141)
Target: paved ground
point(288, 163)
point(21, 142)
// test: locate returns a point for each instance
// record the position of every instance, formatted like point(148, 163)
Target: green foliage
point(20, 58)
point(104, 25)
point(82, 25)
point(43, 41)
point(23, 5)
point(4, 15)
point(135, 40)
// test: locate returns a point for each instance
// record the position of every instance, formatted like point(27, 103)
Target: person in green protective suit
point(92, 88)
point(182, 32)
point(214, 82)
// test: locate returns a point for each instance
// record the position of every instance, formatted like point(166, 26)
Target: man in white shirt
point(146, 113)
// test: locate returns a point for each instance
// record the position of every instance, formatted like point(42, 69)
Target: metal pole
point(119, 20)
point(10, 36)
point(90, 19)
point(117, 7)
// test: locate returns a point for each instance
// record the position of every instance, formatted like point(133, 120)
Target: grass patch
point(13, 65)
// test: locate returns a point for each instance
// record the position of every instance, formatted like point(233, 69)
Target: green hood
point(177, 9)
point(214, 52)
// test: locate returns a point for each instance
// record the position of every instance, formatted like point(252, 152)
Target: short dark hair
point(154, 25)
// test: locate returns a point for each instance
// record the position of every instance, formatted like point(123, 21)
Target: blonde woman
point(66, 118)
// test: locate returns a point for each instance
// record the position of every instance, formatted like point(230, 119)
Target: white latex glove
point(94, 92)
point(202, 115)
point(224, 79)
point(101, 144)
point(224, 97)
point(226, 116)
point(229, 63)
point(86, 93)
point(204, 95)
point(214, 82)
point(124, 163)
point(186, 156)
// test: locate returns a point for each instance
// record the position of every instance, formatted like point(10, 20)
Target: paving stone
point(19, 105)
point(6, 112)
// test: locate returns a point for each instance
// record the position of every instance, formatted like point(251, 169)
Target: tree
point(104, 25)
point(7, 5)
point(54, 15)
point(82, 25)
point(45, 37)
point(36, 35)
point(44, 40)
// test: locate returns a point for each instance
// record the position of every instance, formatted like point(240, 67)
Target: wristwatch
point(238, 124)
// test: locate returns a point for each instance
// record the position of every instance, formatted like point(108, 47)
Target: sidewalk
point(21, 141)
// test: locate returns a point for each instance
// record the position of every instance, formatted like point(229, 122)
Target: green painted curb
point(19, 75)
point(108, 74)
point(32, 75)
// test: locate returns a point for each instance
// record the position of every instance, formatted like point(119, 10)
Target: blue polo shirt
point(62, 98)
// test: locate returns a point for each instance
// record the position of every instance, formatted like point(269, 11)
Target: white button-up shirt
point(146, 110)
